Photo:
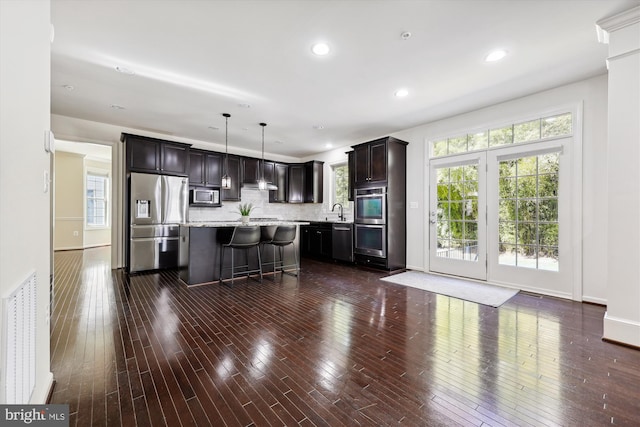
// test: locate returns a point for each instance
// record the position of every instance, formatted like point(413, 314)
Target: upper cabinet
point(296, 183)
point(145, 154)
point(281, 180)
point(252, 170)
point(305, 182)
point(351, 165)
point(373, 162)
point(370, 163)
point(313, 181)
point(205, 168)
point(234, 169)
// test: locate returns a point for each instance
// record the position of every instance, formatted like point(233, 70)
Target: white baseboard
point(415, 268)
point(39, 397)
point(623, 331)
point(68, 248)
point(594, 300)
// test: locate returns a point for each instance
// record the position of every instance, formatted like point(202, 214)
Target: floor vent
point(19, 370)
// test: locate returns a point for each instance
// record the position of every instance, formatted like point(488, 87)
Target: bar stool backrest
point(245, 237)
point(284, 235)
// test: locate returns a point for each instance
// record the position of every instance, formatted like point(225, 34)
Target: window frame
point(346, 206)
point(106, 175)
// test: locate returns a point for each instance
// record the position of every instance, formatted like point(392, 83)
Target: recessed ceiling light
point(124, 70)
point(401, 93)
point(320, 49)
point(328, 145)
point(213, 128)
point(495, 55)
point(117, 107)
point(277, 141)
point(244, 105)
point(68, 87)
point(318, 127)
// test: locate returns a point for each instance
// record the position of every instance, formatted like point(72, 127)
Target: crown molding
point(606, 26)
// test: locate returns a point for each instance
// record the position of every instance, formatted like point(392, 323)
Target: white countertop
point(237, 223)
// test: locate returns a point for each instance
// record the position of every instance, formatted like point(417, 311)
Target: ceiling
point(193, 60)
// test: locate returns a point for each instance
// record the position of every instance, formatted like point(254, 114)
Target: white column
point(622, 319)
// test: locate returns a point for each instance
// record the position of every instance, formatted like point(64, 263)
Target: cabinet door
point(269, 172)
point(281, 180)
point(305, 239)
point(361, 164)
point(196, 168)
point(143, 155)
point(296, 183)
point(233, 194)
point(352, 176)
point(174, 159)
point(326, 243)
point(313, 182)
point(213, 169)
point(378, 161)
point(251, 168)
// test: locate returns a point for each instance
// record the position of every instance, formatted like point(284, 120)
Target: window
point(528, 212)
point(517, 133)
point(97, 201)
point(340, 184)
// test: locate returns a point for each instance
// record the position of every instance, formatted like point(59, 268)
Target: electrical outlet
point(75, 233)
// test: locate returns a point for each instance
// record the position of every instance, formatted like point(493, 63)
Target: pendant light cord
point(262, 174)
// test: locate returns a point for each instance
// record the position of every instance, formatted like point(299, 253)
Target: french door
point(504, 215)
point(457, 216)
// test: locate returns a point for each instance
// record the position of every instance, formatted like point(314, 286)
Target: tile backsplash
point(264, 209)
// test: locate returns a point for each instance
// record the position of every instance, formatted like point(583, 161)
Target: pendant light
point(226, 179)
point(262, 184)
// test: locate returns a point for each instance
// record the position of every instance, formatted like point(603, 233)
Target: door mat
point(466, 290)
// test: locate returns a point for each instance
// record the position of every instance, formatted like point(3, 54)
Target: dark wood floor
point(335, 347)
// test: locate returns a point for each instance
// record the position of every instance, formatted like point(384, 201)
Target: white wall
point(622, 319)
point(69, 205)
point(24, 205)
point(592, 94)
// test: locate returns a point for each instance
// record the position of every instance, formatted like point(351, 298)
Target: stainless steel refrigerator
point(158, 206)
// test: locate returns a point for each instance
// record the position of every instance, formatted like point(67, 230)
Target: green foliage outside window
point(548, 127)
point(341, 184)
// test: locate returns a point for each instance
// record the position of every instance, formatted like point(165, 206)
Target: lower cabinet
point(316, 240)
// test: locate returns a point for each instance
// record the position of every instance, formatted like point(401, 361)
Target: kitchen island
point(202, 243)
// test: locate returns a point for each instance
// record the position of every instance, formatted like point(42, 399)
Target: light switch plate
point(413, 205)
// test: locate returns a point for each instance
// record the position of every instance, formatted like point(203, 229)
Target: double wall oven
point(370, 222)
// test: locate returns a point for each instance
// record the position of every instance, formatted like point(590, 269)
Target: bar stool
point(284, 235)
point(244, 237)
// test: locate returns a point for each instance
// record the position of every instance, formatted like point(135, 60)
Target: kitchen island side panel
point(204, 247)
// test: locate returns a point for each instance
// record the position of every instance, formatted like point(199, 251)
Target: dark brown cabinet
point(233, 170)
point(305, 182)
point(313, 185)
point(281, 180)
point(296, 183)
point(252, 170)
point(205, 168)
point(351, 164)
point(381, 163)
point(316, 240)
point(370, 163)
point(155, 155)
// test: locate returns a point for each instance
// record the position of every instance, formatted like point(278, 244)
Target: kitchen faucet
point(341, 216)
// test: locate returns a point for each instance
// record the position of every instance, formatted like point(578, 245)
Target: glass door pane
point(457, 216)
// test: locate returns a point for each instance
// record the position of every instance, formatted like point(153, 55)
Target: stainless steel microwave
point(204, 197)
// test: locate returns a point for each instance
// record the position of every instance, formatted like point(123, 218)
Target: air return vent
point(19, 350)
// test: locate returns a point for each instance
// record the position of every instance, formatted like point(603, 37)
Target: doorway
point(504, 215)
